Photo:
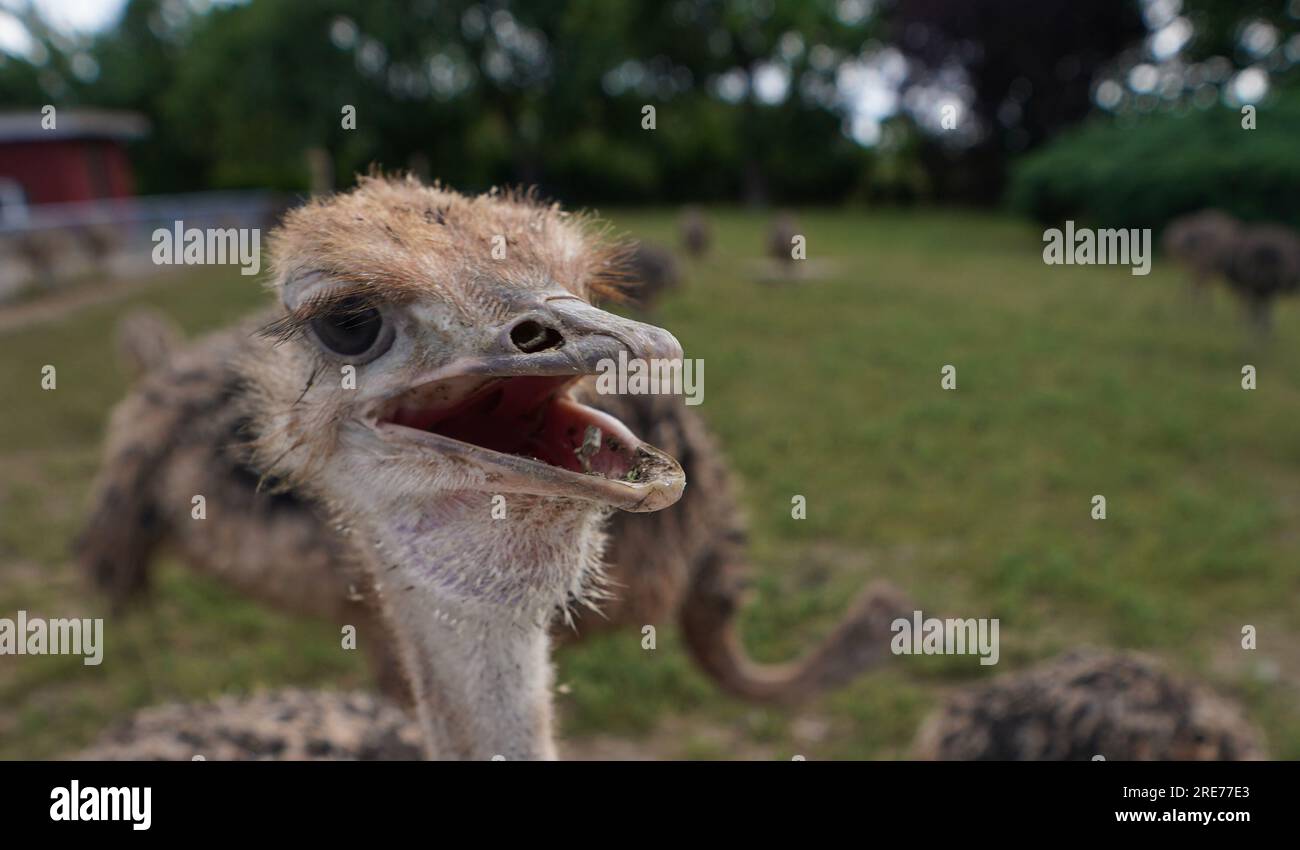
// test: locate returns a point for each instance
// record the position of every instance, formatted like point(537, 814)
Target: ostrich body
point(377, 504)
point(282, 725)
point(695, 232)
point(652, 271)
point(1203, 243)
point(780, 245)
point(1121, 707)
point(1264, 264)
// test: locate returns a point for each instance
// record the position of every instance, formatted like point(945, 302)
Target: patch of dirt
point(62, 302)
point(771, 273)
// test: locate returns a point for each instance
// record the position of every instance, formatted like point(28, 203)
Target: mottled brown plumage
point(284, 725)
point(1122, 707)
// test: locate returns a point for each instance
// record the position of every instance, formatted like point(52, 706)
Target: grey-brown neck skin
point(470, 593)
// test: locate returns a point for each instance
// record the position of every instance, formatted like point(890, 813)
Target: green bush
point(1143, 171)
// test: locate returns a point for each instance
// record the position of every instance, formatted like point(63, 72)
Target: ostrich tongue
point(590, 445)
point(582, 439)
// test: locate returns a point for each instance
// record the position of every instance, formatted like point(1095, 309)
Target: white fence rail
point(46, 246)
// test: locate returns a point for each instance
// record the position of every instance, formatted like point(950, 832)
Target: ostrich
point(1119, 706)
point(1203, 242)
point(780, 242)
point(1264, 264)
point(41, 250)
point(100, 241)
point(381, 506)
point(652, 270)
point(145, 340)
point(696, 235)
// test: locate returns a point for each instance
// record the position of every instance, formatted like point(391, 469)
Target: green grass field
point(1072, 381)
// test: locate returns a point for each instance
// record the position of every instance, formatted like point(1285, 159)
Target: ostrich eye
point(353, 329)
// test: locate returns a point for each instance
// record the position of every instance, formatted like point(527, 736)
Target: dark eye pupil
point(350, 330)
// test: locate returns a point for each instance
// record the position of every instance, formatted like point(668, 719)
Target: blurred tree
point(137, 64)
point(1144, 172)
point(39, 76)
point(1218, 24)
point(541, 92)
point(1029, 67)
point(749, 94)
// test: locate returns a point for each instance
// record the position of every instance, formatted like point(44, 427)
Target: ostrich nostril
point(531, 337)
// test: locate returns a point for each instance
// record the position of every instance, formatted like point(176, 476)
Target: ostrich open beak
point(510, 411)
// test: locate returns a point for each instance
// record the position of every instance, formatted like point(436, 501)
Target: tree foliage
point(1143, 172)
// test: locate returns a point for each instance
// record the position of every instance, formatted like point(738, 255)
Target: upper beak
point(566, 335)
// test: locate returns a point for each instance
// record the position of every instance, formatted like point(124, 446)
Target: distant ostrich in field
point(652, 271)
point(1264, 264)
point(695, 231)
point(100, 241)
point(780, 241)
point(1203, 243)
point(1118, 706)
point(451, 501)
point(41, 250)
point(1121, 707)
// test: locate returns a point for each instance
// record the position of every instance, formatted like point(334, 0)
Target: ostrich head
point(421, 388)
point(428, 348)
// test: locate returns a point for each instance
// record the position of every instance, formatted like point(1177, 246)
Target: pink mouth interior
point(529, 417)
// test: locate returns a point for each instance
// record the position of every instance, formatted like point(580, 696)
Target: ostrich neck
point(470, 599)
point(482, 687)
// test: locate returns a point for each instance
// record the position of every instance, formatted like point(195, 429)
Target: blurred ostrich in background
point(652, 271)
point(1264, 265)
point(1202, 243)
point(780, 239)
point(696, 233)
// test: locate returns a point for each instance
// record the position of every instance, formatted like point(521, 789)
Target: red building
point(83, 158)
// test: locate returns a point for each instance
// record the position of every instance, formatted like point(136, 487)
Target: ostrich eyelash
point(346, 302)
